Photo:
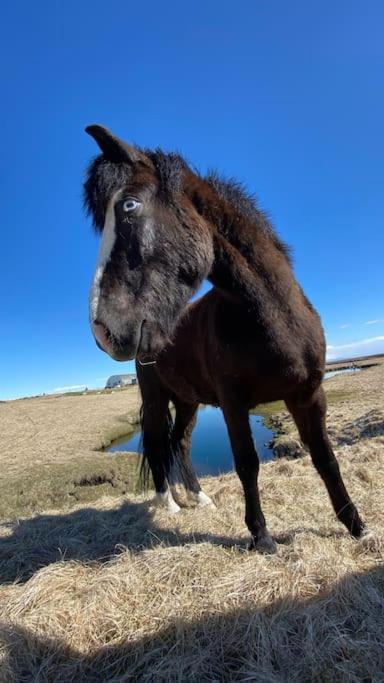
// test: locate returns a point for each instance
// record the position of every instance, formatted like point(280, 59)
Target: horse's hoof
point(173, 508)
point(166, 501)
point(203, 500)
point(358, 528)
point(264, 545)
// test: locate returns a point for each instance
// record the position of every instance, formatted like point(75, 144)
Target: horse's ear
point(114, 148)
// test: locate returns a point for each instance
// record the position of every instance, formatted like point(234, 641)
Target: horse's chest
point(188, 381)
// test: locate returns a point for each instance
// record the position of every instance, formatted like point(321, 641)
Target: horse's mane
point(170, 168)
point(104, 177)
point(245, 204)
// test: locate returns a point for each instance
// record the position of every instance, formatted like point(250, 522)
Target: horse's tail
point(162, 454)
point(158, 456)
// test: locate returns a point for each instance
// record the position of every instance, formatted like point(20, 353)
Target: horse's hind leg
point(185, 421)
point(247, 467)
point(310, 421)
point(156, 426)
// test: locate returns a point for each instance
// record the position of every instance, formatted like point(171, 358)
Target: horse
point(253, 338)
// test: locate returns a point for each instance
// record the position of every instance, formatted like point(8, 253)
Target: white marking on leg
point(106, 248)
point(176, 495)
point(167, 500)
point(201, 499)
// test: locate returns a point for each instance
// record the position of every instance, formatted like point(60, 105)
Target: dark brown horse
point(253, 338)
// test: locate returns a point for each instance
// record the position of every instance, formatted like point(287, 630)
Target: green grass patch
point(338, 395)
point(267, 410)
point(62, 485)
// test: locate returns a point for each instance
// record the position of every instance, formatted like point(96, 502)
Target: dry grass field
point(96, 585)
point(50, 450)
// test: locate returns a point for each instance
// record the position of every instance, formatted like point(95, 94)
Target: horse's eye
point(130, 205)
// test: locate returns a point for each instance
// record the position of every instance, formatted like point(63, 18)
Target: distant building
point(120, 381)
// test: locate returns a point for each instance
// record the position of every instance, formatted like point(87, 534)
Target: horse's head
point(155, 248)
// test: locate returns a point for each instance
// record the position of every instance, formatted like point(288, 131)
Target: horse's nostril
point(101, 334)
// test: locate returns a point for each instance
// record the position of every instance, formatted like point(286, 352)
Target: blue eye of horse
point(130, 205)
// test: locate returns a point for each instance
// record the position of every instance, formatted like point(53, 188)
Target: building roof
point(129, 375)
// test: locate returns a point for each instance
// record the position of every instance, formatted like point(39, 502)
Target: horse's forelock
point(169, 168)
point(103, 179)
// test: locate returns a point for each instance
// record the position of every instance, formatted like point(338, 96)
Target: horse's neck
point(248, 266)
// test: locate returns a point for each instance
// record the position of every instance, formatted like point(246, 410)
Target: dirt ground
point(108, 588)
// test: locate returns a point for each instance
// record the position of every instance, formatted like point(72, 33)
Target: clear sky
point(286, 96)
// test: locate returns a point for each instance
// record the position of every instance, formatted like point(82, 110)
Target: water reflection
point(211, 450)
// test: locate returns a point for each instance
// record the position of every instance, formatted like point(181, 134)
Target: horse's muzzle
point(119, 349)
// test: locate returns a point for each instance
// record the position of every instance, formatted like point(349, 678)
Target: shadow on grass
point(88, 534)
point(91, 534)
point(336, 636)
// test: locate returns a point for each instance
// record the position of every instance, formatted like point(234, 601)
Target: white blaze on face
point(106, 248)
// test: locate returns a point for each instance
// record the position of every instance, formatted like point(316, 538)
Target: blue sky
point(286, 96)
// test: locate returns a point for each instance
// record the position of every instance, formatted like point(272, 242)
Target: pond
point(211, 451)
point(332, 373)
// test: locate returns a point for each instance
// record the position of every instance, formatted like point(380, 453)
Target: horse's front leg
point(247, 467)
